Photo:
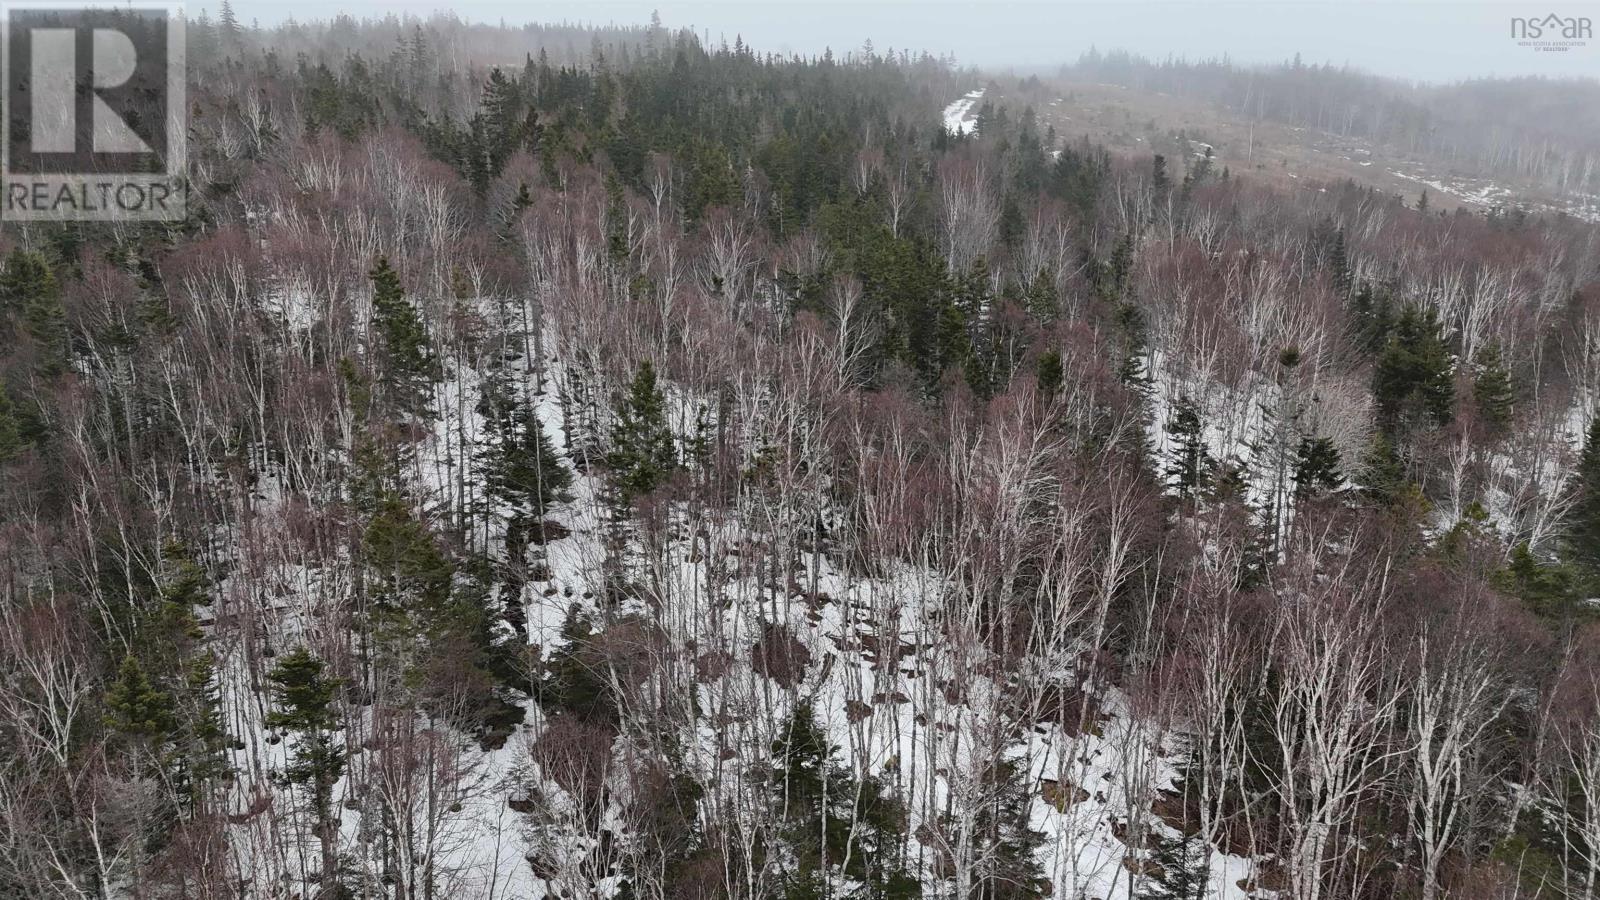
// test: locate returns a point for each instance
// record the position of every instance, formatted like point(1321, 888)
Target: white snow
point(958, 116)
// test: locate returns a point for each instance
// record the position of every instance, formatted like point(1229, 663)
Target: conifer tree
point(411, 576)
point(228, 28)
point(643, 454)
point(1050, 373)
point(303, 700)
point(1583, 522)
point(1181, 871)
point(1191, 466)
point(1316, 467)
point(1413, 377)
point(409, 367)
point(28, 288)
point(11, 441)
point(839, 828)
point(1160, 181)
point(1383, 471)
point(1005, 840)
point(521, 464)
point(1339, 265)
point(1492, 391)
point(1373, 310)
point(136, 706)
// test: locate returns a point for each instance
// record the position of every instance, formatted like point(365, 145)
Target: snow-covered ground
point(899, 699)
point(958, 116)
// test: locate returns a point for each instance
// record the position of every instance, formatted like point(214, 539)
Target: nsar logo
point(1553, 32)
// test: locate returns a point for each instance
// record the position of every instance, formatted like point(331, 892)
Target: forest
point(1536, 130)
point(593, 463)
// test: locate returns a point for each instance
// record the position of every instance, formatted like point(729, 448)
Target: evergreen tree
point(1004, 842)
point(1547, 588)
point(1191, 466)
point(575, 679)
point(838, 827)
point(520, 463)
point(1413, 377)
point(1050, 374)
point(1373, 311)
point(303, 700)
point(1316, 467)
point(1339, 265)
point(1583, 521)
point(410, 587)
point(11, 441)
point(643, 454)
point(28, 288)
point(1383, 471)
point(1492, 391)
point(228, 29)
point(136, 706)
point(1181, 868)
point(409, 367)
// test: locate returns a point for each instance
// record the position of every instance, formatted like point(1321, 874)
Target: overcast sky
point(1432, 41)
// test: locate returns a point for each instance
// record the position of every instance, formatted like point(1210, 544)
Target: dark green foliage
point(643, 454)
point(1191, 464)
point(1582, 544)
point(428, 613)
point(136, 707)
point(1413, 381)
point(1050, 374)
point(1181, 867)
point(1383, 471)
point(407, 367)
point(831, 816)
point(1373, 312)
point(521, 465)
point(575, 679)
point(1338, 265)
point(1492, 391)
point(1548, 588)
point(11, 441)
point(411, 576)
point(303, 707)
point(1316, 467)
point(28, 290)
point(1004, 842)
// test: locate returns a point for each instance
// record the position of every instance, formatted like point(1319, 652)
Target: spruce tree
point(1316, 467)
point(303, 707)
point(521, 465)
point(28, 288)
point(1050, 373)
point(1005, 841)
point(838, 827)
point(643, 454)
point(228, 27)
point(1191, 466)
point(409, 367)
point(1339, 265)
point(1181, 865)
point(1413, 379)
point(410, 583)
point(1383, 471)
point(11, 441)
point(1492, 391)
point(1583, 522)
point(136, 706)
